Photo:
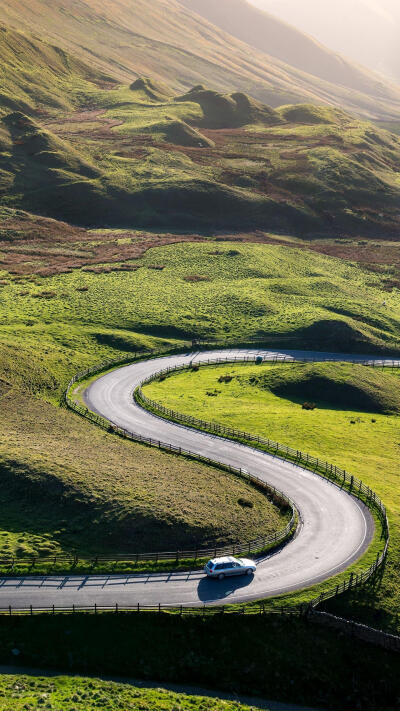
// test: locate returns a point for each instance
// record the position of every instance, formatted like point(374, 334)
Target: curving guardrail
point(254, 547)
point(340, 477)
point(354, 486)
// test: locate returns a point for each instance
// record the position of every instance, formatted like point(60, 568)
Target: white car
point(222, 567)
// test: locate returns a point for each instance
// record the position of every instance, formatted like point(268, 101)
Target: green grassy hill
point(23, 692)
point(68, 486)
point(338, 385)
point(175, 45)
point(91, 152)
point(354, 425)
point(36, 75)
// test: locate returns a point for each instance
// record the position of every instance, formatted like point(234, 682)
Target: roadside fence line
point(329, 471)
point(340, 477)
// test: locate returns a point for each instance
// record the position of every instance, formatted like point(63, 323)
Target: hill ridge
point(174, 45)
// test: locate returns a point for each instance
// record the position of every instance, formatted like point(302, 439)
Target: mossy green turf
point(251, 291)
point(23, 693)
point(365, 443)
point(334, 385)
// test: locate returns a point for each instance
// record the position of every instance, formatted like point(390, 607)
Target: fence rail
point(203, 610)
point(349, 627)
point(258, 545)
point(330, 471)
point(355, 486)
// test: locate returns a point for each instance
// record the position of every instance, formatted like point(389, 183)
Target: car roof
point(224, 559)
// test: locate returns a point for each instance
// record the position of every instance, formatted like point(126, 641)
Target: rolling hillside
point(267, 33)
point(365, 31)
point(77, 145)
point(130, 156)
point(35, 75)
point(166, 40)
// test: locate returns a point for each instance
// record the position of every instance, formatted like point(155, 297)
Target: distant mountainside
point(169, 41)
point(282, 41)
point(78, 146)
point(365, 31)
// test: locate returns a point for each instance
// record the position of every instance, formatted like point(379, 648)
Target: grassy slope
point(105, 495)
point(343, 386)
point(167, 41)
point(80, 149)
point(21, 692)
point(365, 443)
point(42, 75)
point(60, 324)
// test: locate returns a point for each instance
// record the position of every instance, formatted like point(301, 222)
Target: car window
point(219, 566)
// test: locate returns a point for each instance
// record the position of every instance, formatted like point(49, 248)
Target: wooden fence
point(329, 471)
point(340, 477)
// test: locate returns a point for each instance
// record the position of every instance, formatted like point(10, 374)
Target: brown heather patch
point(39, 246)
point(45, 295)
point(196, 278)
point(364, 252)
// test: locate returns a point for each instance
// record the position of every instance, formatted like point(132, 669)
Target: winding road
point(336, 528)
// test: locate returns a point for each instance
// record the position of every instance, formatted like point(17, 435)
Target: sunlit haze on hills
point(366, 31)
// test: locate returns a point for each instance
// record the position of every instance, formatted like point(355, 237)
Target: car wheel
point(249, 571)
point(221, 576)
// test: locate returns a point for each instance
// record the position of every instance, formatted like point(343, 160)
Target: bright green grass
point(106, 495)
point(364, 443)
point(257, 291)
point(23, 693)
point(254, 291)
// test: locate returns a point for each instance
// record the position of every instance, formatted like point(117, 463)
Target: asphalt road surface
point(336, 528)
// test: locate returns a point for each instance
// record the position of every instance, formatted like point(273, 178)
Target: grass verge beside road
point(23, 692)
point(68, 486)
point(364, 443)
point(286, 659)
